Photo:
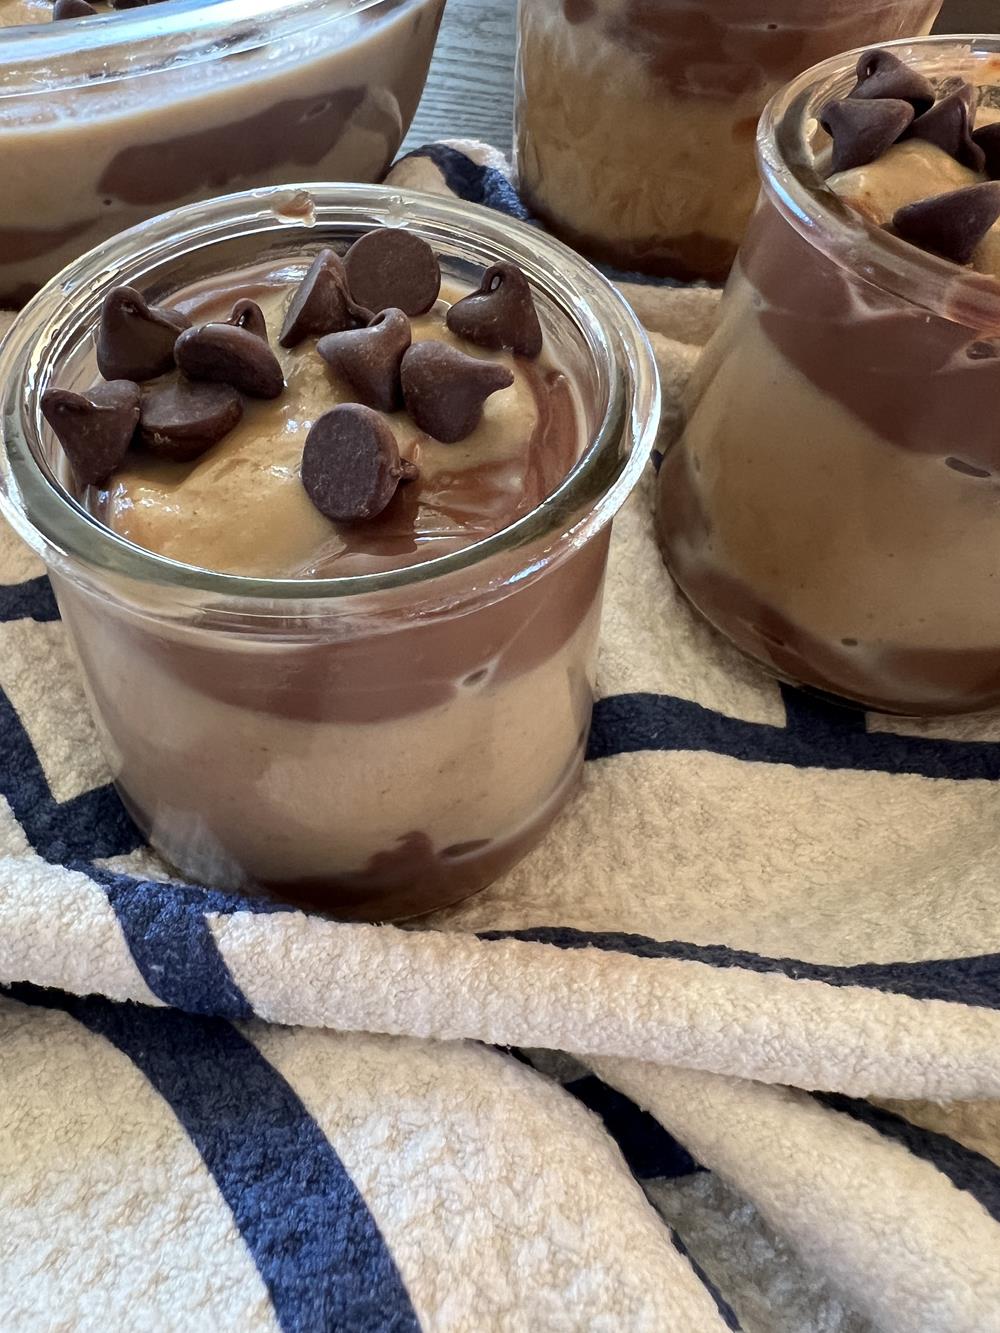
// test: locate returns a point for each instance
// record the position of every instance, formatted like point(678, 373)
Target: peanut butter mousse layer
point(841, 525)
point(241, 508)
point(416, 744)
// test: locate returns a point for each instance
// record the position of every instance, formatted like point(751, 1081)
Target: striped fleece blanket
point(723, 1053)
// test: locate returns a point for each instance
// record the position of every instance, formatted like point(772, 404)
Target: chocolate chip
point(948, 125)
point(953, 224)
point(248, 315)
point(94, 428)
point(226, 354)
point(322, 303)
point(389, 267)
point(369, 358)
point(988, 139)
point(72, 9)
point(445, 390)
point(182, 418)
point(862, 131)
point(500, 314)
point(135, 340)
point(881, 74)
point(351, 465)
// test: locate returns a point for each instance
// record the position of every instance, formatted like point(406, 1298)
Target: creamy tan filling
point(907, 173)
point(241, 507)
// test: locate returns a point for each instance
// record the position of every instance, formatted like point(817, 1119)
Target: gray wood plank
point(470, 90)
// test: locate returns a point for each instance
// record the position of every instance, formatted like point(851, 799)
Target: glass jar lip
point(64, 534)
point(792, 183)
point(175, 32)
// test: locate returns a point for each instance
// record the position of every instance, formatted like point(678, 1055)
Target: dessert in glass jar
point(831, 502)
point(110, 118)
point(635, 119)
point(324, 481)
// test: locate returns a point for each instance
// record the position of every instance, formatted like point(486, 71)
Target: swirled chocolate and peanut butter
point(923, 164)
point(356, 417)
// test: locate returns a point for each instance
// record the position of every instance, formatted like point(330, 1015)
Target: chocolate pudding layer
point(92, 155)
point(636, 118)
point(391, 752)
point(831, 505)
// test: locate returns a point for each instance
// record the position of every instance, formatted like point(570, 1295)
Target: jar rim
point(180, 32)
point(68, 537)
point(792, 183)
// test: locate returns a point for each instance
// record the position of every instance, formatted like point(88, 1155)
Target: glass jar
point(107, 121)
point(831, 504)
point(635, 119)
point(376, 746)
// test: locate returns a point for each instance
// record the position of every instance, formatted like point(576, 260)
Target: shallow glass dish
point(108, 120)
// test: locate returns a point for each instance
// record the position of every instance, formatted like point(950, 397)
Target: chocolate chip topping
point(881, 74)
point(248, 315)
point(951, 225)
point(948, 125)
point(369, 359)
point(182, 418)
point(500, 314)
point(94, 428)
point(988, 139)
point(135, 341)
point(445, 390)
point(389, 267)
point(862, 131)
point(322, 303)
point(351, 465)
point(226, 354)
point(72, 9)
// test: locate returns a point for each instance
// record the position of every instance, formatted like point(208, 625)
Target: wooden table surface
point(470, 91)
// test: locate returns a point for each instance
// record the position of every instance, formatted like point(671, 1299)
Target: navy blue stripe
point(315, 1243)
point(173, 947)
point(93, 824)
point(472, 182)
point(652, 1153)
point(966, 1169)
point(32, 600)
point(971, 981)
point(817, 735)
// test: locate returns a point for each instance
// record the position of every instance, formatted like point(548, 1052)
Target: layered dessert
point(195, 112)
point(636, 118)
point(336, 418)
point(831, 505)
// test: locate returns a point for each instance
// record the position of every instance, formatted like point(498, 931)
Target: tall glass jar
point(376, 746)
point(831, 504)
point(106, 121)
point(635, 119)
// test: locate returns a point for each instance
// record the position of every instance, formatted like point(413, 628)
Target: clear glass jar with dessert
point(635, 119)
point(831, 503)
point(111, 118)
point(375, 713)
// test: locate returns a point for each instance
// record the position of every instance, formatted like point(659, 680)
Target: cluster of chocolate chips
point(80, 9)
point(359, 309)
point(201, 374)
point(892, 102)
